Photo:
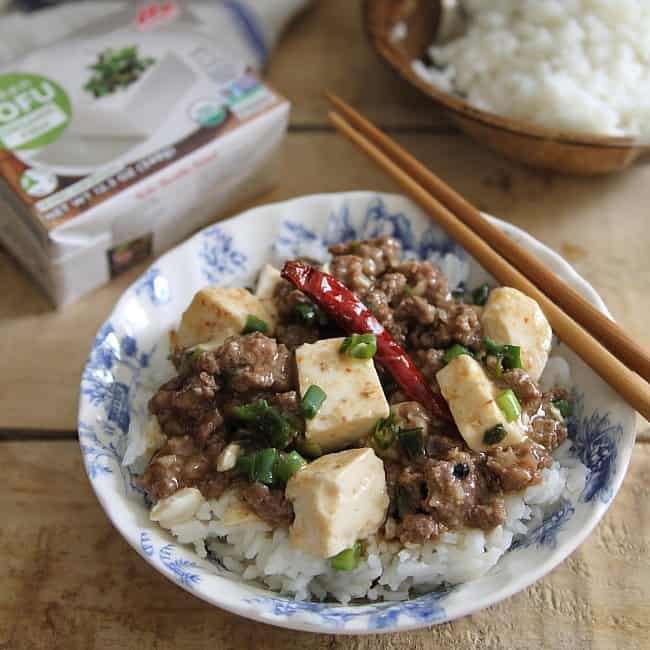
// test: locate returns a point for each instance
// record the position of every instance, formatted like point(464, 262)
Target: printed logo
point(34, 111)
point(38, 182)
point(155, 14)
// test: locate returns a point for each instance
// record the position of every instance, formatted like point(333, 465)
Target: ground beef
point(270, 505)
point(486, 516)
point(427, 281)
point(418, 529)
point(186, 405)
point(393, 286)
point(523, 387)
point(351, 271)
point(293, 335)
point(415, 309)
point(430, 496)
point(411, 415)
point(255, 362)
point(378, 303)
point(515, 468)
point(549, 428)
point(286, 297)
point(441, 444)
point(454, 323)
point(378, 255)
point(289, 401)
point(181, 463)
point(429, 362)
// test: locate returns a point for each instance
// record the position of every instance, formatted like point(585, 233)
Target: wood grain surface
point(68, 580)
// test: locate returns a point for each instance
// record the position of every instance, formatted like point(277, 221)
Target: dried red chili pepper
point(342, 306)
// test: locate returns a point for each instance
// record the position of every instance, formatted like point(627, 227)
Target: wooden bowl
point(556, 150)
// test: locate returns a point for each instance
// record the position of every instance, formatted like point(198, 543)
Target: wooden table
point(68, 580)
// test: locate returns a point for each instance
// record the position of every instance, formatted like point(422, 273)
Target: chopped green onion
point(494, 435)
point(309, 314)
point(306, 311)
point(360, 346)
point(480, 294)
point(563, 406)
point(279, 426)
point(244, 465)
point(509, 405)
point(312, 401)
point(404, 503)
point(459, 292)
point(455, 351)
point(347, 560)
point(385, 431)
point(262, 469)
point(287, 466)
point(255, 324)
point(412, 442)
point(510, 354)
point(189, 358)
point(498, 367)
point(310, 448)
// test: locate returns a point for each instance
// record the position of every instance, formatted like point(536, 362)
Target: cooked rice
point(581, 65)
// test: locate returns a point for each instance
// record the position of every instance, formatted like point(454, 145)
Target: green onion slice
point(480, 294)
point(360, 346)
point(454, 351)
point(563, 406)
point(255, 324)
point(288, 465)
point(385, 431)
point(263, 467)
point(494, 435)
point(310, 448)
point(509, 405)
point(306, 311)
point(347, 560)
point(312, 401)
point(279, 426)
point(244, 465)
point(510, 355)
point(412, 442)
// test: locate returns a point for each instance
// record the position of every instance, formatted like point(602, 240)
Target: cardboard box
point(120, 141)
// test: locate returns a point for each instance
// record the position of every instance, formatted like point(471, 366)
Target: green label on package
point(34, 111)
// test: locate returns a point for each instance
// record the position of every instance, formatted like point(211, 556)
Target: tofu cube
point(267, 281)
point(511, 317)
point(355, 399)
point(338, 499)
point(471, 397)
point(216, 313)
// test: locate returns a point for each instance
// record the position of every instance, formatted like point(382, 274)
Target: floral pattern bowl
point(128, 359)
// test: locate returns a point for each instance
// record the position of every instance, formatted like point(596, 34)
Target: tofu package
point(132, 132)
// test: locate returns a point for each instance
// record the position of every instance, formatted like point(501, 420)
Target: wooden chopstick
point(624, 381)
point(604, 329)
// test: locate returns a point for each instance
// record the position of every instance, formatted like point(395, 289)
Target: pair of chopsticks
point(596, 339)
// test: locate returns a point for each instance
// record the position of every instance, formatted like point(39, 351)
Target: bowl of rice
point(557, 85)
point(227, 556)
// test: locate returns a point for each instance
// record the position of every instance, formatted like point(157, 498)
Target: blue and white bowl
point(128, 360)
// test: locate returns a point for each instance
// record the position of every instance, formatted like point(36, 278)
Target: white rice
point(247, 547)
point(389, 570)
point(580, 65)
